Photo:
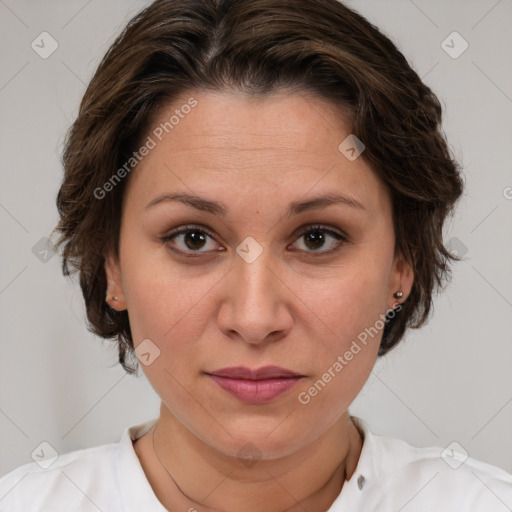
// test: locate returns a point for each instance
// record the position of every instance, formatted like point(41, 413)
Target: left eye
point(315, 237)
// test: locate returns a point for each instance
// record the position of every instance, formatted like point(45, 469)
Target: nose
point(256, 305)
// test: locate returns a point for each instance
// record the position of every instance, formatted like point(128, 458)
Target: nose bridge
point(254, 277)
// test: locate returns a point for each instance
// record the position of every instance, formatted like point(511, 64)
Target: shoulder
point(449, 480)
point(433, 478)
point(77, 480)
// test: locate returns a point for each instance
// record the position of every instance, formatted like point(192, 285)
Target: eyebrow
point(220, 209)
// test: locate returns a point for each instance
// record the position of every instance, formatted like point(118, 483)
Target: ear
point(114, 284)
point(401, 280)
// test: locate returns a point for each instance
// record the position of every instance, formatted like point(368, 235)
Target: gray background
point(450, 381)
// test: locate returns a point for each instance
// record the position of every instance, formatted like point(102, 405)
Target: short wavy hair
point(258, 47)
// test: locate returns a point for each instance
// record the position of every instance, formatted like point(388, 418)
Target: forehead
point(297, 122)
point(231, 143)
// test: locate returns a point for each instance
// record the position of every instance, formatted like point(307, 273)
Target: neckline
point(137, 493)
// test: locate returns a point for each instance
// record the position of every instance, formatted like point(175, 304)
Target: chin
point(268, 439)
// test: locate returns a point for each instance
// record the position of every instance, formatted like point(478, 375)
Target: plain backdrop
point(449, 381)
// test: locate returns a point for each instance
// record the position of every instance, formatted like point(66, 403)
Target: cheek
point(171, 307)
point(347, 328)
point(156, 292)
point(344, 357)
point(352, 300)
point(162, 308)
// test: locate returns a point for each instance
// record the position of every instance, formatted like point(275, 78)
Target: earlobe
point(402, 281)
point(114, 294)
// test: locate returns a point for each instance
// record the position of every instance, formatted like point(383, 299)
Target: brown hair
point(257, 47)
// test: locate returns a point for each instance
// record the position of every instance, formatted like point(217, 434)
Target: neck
point(186, 473)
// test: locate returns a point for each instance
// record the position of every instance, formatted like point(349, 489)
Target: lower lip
point(256, 391)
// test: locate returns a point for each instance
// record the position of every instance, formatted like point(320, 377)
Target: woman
point(254, 198)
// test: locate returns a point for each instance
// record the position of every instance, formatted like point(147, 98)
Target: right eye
point(192, 239)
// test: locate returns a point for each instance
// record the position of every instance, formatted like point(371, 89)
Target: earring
point(398, 295)
point(115, 298)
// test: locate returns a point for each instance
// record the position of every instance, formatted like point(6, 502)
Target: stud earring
point(398, 295)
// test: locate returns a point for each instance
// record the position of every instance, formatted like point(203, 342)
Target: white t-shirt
point(391, 476)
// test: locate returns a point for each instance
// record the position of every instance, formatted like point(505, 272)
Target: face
point(264, 277)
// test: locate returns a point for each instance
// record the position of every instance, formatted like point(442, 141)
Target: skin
point(292, 306)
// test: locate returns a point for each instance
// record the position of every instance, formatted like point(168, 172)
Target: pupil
point(317, 237)
point(195, 238)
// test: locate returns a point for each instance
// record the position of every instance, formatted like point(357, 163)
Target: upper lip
point(265, 372)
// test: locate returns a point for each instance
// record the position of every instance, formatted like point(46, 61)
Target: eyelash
point(309, 229)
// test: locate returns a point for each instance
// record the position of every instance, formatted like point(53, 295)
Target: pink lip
point(255, 386)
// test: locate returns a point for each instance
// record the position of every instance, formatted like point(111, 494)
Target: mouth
point(266, 372)
point(255, 386)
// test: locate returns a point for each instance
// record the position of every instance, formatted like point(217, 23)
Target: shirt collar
point(367, 472)
point(136, 491)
